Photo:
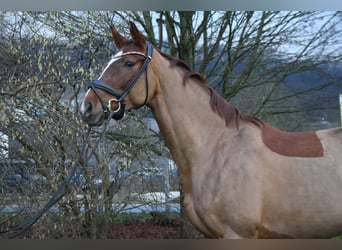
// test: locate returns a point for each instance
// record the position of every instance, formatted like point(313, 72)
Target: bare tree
point(48, 59)
point(252, 53)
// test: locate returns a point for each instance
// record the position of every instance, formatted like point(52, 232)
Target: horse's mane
point(219, 105)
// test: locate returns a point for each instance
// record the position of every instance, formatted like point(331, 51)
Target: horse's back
point(334, 133)
point(331, 140)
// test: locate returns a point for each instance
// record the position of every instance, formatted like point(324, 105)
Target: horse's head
point(124, 83)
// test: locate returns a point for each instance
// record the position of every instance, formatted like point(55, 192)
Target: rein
point(78, 167)
point(66, 186)
point(120, 98)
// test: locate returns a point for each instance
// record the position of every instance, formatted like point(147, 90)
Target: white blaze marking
point(83, 104)
point(115, 58)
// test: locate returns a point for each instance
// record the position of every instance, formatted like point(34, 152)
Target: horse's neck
point(185, 118)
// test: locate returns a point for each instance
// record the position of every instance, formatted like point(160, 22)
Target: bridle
point(120, 98)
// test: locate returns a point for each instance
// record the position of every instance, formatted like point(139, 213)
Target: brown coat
point(242, 178)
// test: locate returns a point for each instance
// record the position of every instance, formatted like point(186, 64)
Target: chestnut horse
point(241, 177)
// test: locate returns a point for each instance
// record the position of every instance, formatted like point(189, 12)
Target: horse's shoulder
point(300, 144)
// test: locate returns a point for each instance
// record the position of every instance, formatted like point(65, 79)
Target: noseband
point(120, 98)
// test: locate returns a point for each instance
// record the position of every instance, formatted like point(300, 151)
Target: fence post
point(341, 108)
point(4, 146)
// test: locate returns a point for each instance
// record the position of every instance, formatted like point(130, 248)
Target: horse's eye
point(129, 64)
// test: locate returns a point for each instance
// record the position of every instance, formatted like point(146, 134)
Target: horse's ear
point(136, 34)
point(118, 38)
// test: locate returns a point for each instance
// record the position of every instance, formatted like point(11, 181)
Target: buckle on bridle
point(109, 105)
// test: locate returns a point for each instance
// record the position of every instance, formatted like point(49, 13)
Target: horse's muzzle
point(90, 115)
point(96, 117)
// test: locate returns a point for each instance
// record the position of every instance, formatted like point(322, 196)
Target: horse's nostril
point(86, 109)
